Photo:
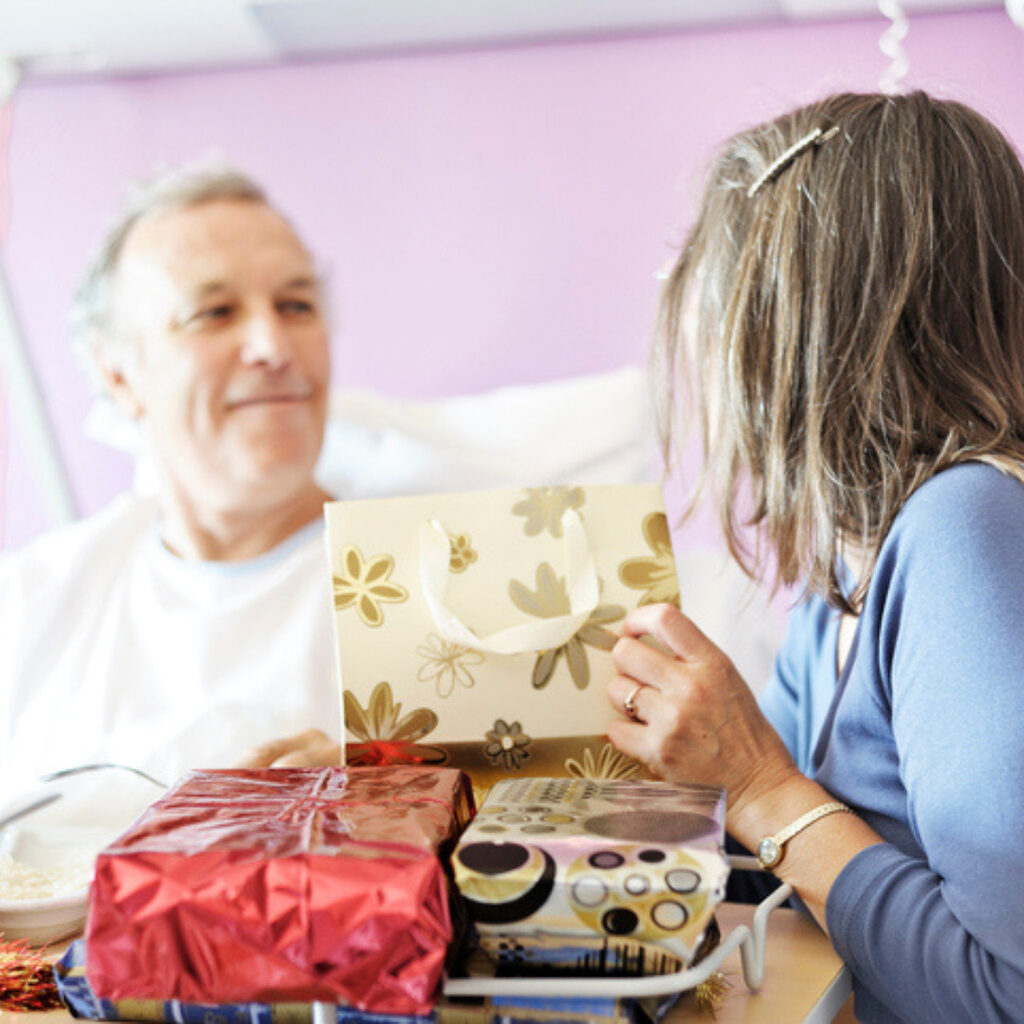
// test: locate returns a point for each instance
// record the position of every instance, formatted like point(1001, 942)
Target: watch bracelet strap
point(795, 827)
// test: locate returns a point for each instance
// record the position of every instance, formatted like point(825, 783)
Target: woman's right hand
point(696, 719)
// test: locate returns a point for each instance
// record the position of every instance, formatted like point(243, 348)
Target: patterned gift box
point(475, 629)
point(568, 875)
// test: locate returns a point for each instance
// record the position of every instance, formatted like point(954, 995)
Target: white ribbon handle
point(536, 635)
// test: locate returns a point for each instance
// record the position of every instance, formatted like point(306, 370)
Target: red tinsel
point(26, 978)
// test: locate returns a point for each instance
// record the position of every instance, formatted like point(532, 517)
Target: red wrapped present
point(282, 885)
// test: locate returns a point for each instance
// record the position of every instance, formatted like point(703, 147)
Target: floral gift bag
point(473, 630)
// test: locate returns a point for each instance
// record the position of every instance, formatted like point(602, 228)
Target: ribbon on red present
point(381, 752)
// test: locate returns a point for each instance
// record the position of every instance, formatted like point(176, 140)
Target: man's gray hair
point(91, 324)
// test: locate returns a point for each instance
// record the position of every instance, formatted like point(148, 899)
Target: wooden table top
point(804, 979)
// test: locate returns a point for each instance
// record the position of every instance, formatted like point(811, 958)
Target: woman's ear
point(117, 382)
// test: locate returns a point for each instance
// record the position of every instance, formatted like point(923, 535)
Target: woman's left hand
point(695, 718)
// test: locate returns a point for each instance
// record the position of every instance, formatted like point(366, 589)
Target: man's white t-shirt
point(114, 649)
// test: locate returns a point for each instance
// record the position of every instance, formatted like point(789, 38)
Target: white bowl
point(63, 838)
point(39, 845)
point(43, 920)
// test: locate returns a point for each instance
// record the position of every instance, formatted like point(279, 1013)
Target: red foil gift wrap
point(282, 885)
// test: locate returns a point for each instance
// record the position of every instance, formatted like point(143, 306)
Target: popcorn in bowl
point(66, 876)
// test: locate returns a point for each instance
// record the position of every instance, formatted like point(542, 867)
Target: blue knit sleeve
point(781, 695)
point(941, 938)
point(800, 690)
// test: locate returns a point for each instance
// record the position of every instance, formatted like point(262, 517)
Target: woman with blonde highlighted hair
point(845, 330)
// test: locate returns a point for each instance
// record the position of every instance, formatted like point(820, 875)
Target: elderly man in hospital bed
point(189, 623)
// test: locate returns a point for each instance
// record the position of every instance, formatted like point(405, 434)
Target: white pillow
point(586, 430)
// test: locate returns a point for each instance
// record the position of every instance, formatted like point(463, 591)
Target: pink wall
point(487, 217)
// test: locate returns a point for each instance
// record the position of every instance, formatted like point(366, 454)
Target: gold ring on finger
point(629, 704)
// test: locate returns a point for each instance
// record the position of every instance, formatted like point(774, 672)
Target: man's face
point(226, 351)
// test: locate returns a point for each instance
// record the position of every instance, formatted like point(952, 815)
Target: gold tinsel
point(710, 993)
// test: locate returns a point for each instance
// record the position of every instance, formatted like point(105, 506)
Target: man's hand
point(310, 749)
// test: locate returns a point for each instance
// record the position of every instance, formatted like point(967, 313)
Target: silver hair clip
point(813, 138)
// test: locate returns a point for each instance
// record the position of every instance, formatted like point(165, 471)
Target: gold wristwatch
point(770, 849)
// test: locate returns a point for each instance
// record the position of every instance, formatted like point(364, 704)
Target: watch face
point(769, 853)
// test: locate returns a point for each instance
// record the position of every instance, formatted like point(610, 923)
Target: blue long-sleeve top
point(923, 735)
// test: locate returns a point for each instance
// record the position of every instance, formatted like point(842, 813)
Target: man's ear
point(117, 382)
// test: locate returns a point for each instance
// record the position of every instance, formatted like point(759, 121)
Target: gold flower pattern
point(543, 508)
point(463, 554)
point(445, 664)
point(550, 600)
point(609, 764)
point(507, 745)
point(380, 719)
point(364, 584)
point(656, 575)
point(385, 735)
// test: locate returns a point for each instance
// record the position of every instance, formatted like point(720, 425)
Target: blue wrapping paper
point(82, 1002)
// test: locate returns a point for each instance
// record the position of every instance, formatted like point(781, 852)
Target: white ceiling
point(114, 37)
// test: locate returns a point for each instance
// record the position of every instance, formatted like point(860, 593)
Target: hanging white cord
point(1015, 9)
point(891, 44)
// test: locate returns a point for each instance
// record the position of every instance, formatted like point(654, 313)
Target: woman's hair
point(844, 322)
